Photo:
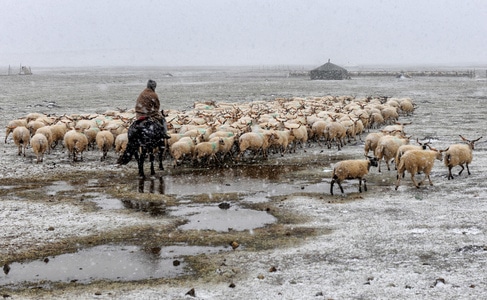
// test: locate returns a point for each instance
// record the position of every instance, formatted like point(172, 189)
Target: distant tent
point(329, 71)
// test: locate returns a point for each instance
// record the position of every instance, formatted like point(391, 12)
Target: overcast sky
point(243, 32)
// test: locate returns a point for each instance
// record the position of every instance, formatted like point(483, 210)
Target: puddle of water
point(104, 201)
point(58, 186)
point(152, 185)
point(106, 262)
point(155, 208)
point(214, 218)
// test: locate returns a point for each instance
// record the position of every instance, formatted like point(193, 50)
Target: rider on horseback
point(148, 107)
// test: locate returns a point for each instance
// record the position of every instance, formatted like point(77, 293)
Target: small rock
point(273, 269)
point(224, 205)
point(260, 276)
point(6, 269)
point(191, 293)
point(234, 245)
point(232, 285)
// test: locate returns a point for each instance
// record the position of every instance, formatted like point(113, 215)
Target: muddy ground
point(294, 239)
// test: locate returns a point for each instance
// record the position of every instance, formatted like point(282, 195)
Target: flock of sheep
point(215, 133)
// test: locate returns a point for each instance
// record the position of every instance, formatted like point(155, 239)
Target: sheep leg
point(414, 180)
point(331, 186)
point(461, 169)
point(398, 181)
point(468, 171)
point(365, 185)
point(450, 176)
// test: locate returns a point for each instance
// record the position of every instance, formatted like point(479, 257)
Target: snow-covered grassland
point(427, 243)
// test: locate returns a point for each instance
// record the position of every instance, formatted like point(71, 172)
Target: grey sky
point(244, 32)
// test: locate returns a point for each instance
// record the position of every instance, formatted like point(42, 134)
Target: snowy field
point(427, 243)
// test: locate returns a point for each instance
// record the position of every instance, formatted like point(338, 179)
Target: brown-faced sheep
point(21, 137)
point(415, 161)
point(459, 155)
point(352, 169)
point(104, 141)
point(40, 144)
point(76, 143)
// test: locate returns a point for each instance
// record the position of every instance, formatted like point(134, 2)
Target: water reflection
point(151, 186)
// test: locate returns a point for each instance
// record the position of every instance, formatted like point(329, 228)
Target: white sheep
point(390, 114)
point(387, 148)
point(415, 161)
point(407, 106)
point(206, 150)
point(40, 144)
point(21, 137)
point(104, 141)
point(46, 131)
point(12, 125)
point(121, 142)
point(256, 141)
point(182, 149)
point(458, 155)
point(404, 148)
point(371, 141)
point(318, 130)
point(33, 126)
point(90, 134)
point(352, 169)
point(335, 132)
point(225, 146)
point(76, 143)
point(281, 141)
point(58, 131)
point(299, 135)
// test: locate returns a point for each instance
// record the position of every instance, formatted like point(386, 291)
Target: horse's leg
point(140, 162)
point(151, 159)
point(161, 150)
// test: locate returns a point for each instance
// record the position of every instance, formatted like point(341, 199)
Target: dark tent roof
point(329, 71)
point(329, 67)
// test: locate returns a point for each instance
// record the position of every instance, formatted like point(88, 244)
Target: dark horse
point(144, 137)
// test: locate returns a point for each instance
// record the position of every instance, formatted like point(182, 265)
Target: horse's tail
point(126, 156)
